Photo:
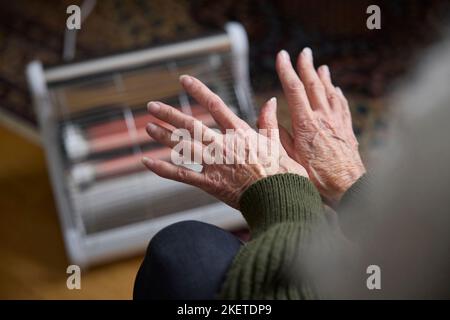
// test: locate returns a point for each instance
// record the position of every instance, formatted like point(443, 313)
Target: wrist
point(280, 198)
point(348, 179)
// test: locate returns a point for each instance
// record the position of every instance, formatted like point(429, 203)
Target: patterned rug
point(364, 63)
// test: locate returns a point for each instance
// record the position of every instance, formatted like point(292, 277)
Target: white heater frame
point(89, 249)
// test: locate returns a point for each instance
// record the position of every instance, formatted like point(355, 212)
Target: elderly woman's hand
point(228, 170)
point(323, 141)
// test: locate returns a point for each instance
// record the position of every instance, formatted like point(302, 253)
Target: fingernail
point(185, 80)
point(273, 103)
point(326, 70)
point(153, 107)
point(339, 90)
point(307, 52)
point(151, 126)
point(147, 161)
point(284, 55)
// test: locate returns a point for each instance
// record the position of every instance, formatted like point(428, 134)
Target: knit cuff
point(280, 198)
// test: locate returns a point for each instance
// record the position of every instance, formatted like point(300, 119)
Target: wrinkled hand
point(225, 181)
point(323, 141)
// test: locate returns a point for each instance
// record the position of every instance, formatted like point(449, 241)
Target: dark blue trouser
point(186, 260)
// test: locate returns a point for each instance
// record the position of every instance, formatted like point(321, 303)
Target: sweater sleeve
point(280, 211)
point(356, 192)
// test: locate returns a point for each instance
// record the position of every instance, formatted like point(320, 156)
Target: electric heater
point(92, 117)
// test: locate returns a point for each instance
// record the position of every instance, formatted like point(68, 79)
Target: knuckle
point(196, 87)
point(293, 85)
point(167, 112)
point(211, 104)
point(214, 180)
point(182, 174)
point(189, 124)
point(347, 111)
point(333, 99)
point(241, 124)
point(303, 68)
point(269, 121)
point(283, 73)
point(314, 86)
point(158, 134)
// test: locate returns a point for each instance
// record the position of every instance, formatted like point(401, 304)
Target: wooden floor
point(32, 259)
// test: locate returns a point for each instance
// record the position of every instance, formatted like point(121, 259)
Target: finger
point(313, 86)
point(294, 90)
point(268, 118)
point(346, 114)
point(178, 119)
point(173, 172)
point(344, 101)
point(224, 117)
point(172, 139)
point(344, 104)
point(160, 134)
point(287, 141)
point(332, 96)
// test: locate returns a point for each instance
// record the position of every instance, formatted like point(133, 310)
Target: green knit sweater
point(281, 210)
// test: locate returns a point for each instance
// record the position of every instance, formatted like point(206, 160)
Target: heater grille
point(93, 117)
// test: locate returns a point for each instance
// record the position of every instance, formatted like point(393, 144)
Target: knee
point(174, 237)
point(176, 230)
point(187, 259)
point(188, 236)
